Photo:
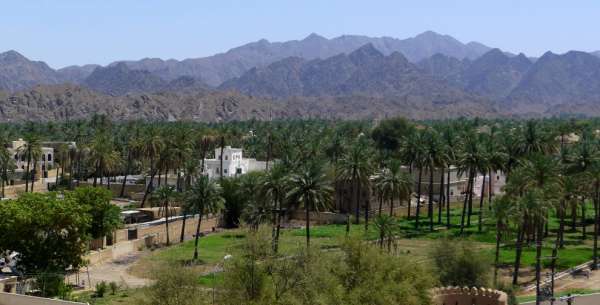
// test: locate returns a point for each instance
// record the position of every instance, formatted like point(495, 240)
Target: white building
point(234, 163)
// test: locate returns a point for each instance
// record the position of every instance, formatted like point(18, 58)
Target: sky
point(68, 32)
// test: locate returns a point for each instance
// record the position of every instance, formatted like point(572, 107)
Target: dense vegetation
point(552, 168)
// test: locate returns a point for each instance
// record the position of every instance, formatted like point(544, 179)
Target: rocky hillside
point(62, 102)
point(554, 80)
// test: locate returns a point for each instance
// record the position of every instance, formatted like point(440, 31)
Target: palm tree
point(133, 147)
point(538, 174)
point(7, 164)
point(163, 195)
point(112, 162)
point(395, 183)
point(356, 167)
point(311, 187)
point(535, 207)
point(274, 186)
point(432, 159)
point(203, 197)
point(501, 211)
point(469, 162)
point(152, 147)
point(32, 150)
point(191, 171)
point(386, 225)
point(451, 152)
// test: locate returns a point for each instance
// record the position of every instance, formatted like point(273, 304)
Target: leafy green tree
point(48, 233)
point(105, 216)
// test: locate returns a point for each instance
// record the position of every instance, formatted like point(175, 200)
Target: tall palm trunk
point(448, 198)
point(57, 171)
point(538, 260)
point(430, 200)
point(197, 237)
point(356, 195)
point(127, 170)
point(392, 205)
point(367, 208)
point(3, 180)
point(380, 202)
point(480, 224)
point(471, 190)
point(441, 198)
point(33, 175)
point(221, 158)
point(466, 201)
point(490, 189)
point(278, 225)
point(583, 220)
point(27, 173)
point(182, 235)
point(307, 223)
point(557, 243)
point(561, 226)
point(167, 220)
point(596, 223)
point(497, 252)
point(150, 185)
point(418, 198)
point(518, 252)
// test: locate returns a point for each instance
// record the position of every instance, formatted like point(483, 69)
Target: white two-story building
point(234, 163)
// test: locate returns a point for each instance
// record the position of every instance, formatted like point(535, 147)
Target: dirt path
point(112, 271)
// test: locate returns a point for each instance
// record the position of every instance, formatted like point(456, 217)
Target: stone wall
point(468, 296)
point(19, 299)
point(148, 235)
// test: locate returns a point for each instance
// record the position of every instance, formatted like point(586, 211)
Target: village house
point(458, 183)
point(45, 161)
point(234, 163)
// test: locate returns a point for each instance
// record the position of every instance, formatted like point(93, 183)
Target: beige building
point(458, 183)
point(18, 151)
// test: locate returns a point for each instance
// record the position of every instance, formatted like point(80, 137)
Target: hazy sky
point(66, 32)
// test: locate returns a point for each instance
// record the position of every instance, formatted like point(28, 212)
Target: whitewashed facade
point(234, 163)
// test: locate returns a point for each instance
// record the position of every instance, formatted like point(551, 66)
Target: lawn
point(411, 242)
point(125, 297)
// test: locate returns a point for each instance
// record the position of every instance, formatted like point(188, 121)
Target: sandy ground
point(112, 271)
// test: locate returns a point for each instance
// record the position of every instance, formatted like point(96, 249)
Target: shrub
point(101, 289)
point(459, 263)
point(114, 287)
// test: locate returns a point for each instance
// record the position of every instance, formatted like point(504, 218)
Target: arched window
point(49, 157)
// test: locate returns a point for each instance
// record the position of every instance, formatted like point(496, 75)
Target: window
point(43, 157)
point(225, 171)
point(238, 170)
point(226, 157)
point(49, 157)
point(497, 177)
point(451, 193)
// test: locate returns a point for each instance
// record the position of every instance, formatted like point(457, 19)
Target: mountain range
point(428, 76)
